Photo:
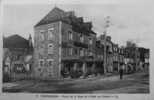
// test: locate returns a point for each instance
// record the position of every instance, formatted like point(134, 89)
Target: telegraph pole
point(105, 32)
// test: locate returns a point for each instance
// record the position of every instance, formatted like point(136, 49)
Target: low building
point(15, 49)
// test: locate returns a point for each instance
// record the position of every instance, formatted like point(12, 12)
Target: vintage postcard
point(77, 49)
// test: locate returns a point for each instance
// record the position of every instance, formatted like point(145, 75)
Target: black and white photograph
point(77, 48)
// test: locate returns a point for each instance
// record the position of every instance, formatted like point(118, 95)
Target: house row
point(66, 46)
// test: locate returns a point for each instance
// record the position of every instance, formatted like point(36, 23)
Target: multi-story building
point(109, 52)
point(116, 57)
point(144, 55)
point(63, 44)
point(99, 56)
point(136, 58)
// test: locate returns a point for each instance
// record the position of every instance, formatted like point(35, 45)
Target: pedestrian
point(121, 71)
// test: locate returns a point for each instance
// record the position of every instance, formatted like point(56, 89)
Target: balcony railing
point(80, 44)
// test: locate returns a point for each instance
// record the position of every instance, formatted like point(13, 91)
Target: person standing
point(121, 71)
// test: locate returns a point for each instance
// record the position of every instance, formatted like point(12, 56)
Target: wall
point(41, 51)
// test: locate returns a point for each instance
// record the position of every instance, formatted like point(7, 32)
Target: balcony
point(67, 44)
point(80, 44)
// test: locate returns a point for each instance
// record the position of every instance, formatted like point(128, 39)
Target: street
point(131, 83)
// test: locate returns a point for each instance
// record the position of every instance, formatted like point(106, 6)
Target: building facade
point(144, 55)
point(116, 60)
point(64, 43)
point(66, 46)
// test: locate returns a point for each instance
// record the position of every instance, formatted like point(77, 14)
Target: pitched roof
point(69, 17)
point(54, 14)
point(15, 41)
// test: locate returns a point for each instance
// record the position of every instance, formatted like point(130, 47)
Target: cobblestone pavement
point(132, 83)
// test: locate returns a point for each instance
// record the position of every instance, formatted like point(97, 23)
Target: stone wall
point(41, 51)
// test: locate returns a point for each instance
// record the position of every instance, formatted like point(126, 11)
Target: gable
point(55, 14)
point(15, 41)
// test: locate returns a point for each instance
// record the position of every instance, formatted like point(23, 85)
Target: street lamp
point(107, 22)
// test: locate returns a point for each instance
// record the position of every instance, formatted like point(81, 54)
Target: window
point(90, 53)
point(101, 56)
point(50, 62)
point(50, 33)
point(76, 51)
point(70, 35)
point(90, 41)
point(40, 56)
point(50, 48)
point(81, 52)
point(86, 52)
point(41, 62)
point(42, 35)
point(70, 51)
point(110, 49)
point(81, 38)
point(114, 48)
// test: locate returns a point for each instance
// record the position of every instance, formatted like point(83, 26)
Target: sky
point(129, 20)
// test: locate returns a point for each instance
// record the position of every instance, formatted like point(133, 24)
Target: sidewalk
point(18, 84)
point(101, 84)
point(23, 83)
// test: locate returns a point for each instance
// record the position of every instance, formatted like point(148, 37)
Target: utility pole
point(105, 32)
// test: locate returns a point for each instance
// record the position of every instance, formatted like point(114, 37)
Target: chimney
point(102, 37)
point(108, 38)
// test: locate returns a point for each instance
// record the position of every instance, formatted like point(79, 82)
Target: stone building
point(63, 44)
